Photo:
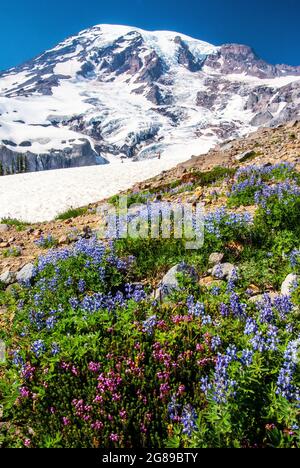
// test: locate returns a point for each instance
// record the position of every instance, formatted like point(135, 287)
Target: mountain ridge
point(117, 91)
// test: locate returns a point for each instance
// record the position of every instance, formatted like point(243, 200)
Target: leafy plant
point(71, 213)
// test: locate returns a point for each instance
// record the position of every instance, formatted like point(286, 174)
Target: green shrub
point(19, 225)
point(71, 213)
point(11, 252)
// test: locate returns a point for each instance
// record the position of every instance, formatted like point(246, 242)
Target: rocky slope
point(264, 147)
point(116, 91)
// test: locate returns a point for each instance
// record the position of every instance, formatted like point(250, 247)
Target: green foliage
point(132, 198)
point(197, 179)
point(155, 256)
point(11, 252)
point(253, 180)
point(278, 214)
point(217, 174)
point(71, 213)
point(94, 361)
point(16, 223)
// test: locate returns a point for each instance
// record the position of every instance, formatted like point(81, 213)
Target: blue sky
point(271, 27)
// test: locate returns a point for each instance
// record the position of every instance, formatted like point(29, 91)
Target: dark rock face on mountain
point(133, 93)
point(186, 58)
point(237, 58)
point(12, 162)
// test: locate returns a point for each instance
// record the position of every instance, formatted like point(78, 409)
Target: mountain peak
point(120, 91)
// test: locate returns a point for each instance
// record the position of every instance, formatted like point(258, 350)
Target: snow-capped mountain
point(114, 91)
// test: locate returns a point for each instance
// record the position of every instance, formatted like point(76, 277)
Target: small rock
point(288, 284)
point(254, 290)
point(210, 281)
point(11, 288)
point(38, 233)
point(260, 297)
point(223, 271)
point(26, 273)
point(235, 246)
point(215, 258)
point(4, 245)
point(8, 278)
point(63, 240)
point(4, 227)
point(243, 156)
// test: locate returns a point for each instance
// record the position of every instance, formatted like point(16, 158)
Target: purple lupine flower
point(197, 310)
point(224, 310)
point(55, 349)
point(265, 307)
point(149, 324)
point(237, 307)
point(206, 320)
point(173, 409)
point(222, 386)
point(74, 303)
point(205, 386)
point(215, 291)
point(51, 322)
point(216, 342)
point(81, 286)
point(295, 258)
point(135, 292)
point(247, 357)
point(189, 419)
point(283, 305)
point(285, 385)
point(251, 326)
point(17, 359)
point(38, 348)
point(69, 282)
point(265, 341)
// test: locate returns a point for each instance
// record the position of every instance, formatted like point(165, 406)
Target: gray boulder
point(288, 284)
point(4, 227)
point(7, 277)
point(261, 297)
point(26, 273)
point(170, 282)
point(244, 156)
point(261, 118)
point(215, 258)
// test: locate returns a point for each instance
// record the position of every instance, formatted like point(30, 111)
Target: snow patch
point(40, 196)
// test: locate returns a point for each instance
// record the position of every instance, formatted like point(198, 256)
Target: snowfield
point(40, 196)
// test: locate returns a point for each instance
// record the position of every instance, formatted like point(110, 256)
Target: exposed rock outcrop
point(12, 162)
